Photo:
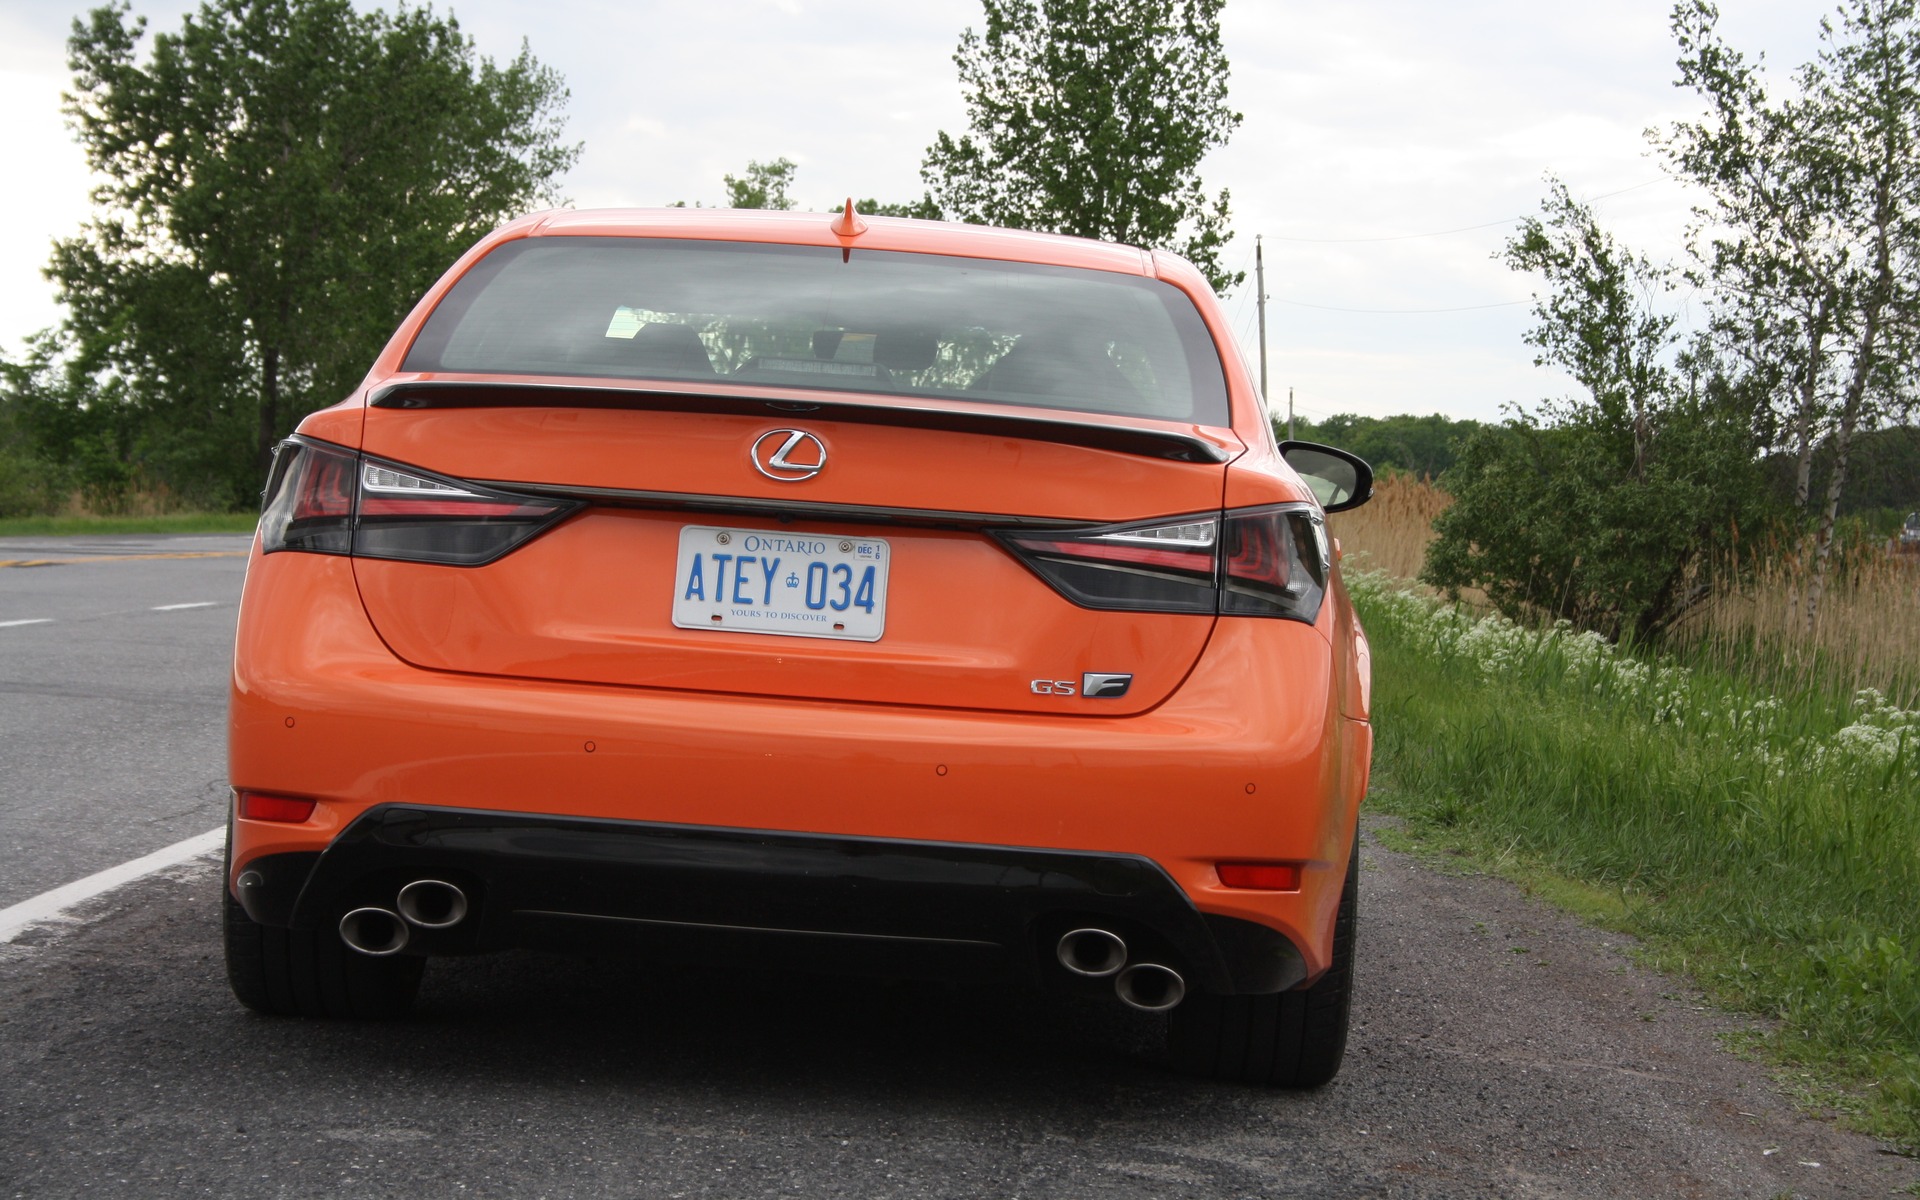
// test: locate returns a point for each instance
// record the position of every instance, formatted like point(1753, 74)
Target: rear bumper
point(1249, 760)
point(760, 896)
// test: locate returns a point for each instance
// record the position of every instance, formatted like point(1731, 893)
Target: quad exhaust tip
point(1095, 953)
point(375, 931)
point(1150, 987)
point(432, 904)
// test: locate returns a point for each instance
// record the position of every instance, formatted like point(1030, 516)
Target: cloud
point(1370, 119)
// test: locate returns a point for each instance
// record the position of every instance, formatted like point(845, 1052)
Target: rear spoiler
point(1123, 439)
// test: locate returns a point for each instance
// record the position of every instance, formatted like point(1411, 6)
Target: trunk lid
point(914, 487)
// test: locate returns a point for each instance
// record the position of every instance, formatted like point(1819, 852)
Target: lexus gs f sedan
point(835, 592)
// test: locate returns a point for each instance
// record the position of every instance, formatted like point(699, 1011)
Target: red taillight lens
point(1276, 563)
point(1268, 562)
point(257, 807)
point(1265, 877)
point(328, 500)
point(309, 499)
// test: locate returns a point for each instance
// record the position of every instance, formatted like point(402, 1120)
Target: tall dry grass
point(1390, 532)
point(1866, 632)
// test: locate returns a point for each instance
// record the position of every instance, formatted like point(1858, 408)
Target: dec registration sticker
point(762, 581)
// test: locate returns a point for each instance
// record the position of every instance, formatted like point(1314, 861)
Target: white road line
point(30, 621)
point(178, 607)
point(52, 906)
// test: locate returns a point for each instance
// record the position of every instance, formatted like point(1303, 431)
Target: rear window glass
point(801, 316)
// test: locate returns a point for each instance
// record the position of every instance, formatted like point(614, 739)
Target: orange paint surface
point(553, 681)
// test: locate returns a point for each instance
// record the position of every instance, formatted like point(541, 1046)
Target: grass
point(1743, 806)
point(1768, 846)
point(68, 526)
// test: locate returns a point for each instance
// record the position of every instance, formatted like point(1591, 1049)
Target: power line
point(1395, 312)
point(1403, 237)
point(1397, 237)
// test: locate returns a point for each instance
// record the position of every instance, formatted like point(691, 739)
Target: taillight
point(1258, 561)
point(325, 499)
point(1275, 563)
point(309, 499)
point(1167, 566)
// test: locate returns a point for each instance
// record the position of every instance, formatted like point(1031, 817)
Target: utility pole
point(1260, 299)
point(1289, 414)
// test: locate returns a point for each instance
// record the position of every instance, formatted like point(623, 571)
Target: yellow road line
point(96, 558)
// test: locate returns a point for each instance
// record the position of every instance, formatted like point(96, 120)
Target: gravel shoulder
point(1500, 1049)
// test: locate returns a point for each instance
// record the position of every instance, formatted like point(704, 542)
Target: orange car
point(810, 589)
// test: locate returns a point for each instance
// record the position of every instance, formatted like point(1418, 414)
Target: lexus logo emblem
point(789, 455)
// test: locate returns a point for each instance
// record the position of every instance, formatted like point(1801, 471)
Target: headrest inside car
point(905, 349)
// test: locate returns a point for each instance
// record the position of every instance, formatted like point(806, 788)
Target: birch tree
point(1812, 232)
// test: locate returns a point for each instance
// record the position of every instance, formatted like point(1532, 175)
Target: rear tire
point(304, 973)
point(1288, 1039)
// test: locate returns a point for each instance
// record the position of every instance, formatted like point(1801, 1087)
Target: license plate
point(760, 581)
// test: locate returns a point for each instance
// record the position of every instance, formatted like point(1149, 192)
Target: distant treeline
point(1884, 475)
point(1424, 446)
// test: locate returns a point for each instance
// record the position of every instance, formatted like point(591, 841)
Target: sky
point(1388, 149)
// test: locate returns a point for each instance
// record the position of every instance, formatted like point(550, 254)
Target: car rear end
point(922, 599)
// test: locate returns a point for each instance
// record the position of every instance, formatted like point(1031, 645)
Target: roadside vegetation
point(77, 525)
point(1643, 647)
point(1757, 826)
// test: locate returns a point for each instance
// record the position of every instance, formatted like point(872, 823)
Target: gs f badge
point(1094, 685)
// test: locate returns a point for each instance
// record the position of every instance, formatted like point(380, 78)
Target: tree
point(1091, 117)
point(30, 485)
point(282, 180)
point(1815, 204)
point(924, 208)
point(1884, 474)
point(1612, 510)
point(764, 185)
point(1424, 446)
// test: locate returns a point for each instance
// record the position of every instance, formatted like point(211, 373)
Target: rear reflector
point(327, 499)
point(257, 807)
point(1266, 877)
point(1270, 561)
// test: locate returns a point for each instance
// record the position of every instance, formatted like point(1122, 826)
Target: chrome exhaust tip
point(1150, 987)
point(1095, 953)
point(432, 904)
point(374, 931)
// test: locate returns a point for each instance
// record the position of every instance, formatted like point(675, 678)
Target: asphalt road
point(113, 692)
point(1499, 1049)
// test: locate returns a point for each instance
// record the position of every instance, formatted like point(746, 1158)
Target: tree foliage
point(282, 179)
point(1606, 509)
point(764, 185)
point(1811, 239)
point(1425, 446)
point(1091, 117)
point(1884, 472)
point(768, 185)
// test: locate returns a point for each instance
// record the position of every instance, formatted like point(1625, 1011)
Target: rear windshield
point(801, 316)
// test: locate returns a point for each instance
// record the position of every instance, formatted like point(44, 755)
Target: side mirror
point(1339, 480)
